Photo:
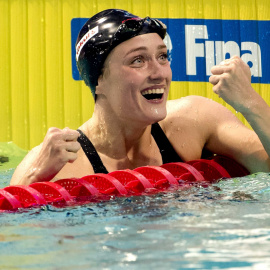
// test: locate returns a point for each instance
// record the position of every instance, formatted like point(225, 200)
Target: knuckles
point(53, 130)
point(53, 133)
point(224, 78)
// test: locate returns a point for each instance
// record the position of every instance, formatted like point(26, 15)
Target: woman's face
point(136, 79)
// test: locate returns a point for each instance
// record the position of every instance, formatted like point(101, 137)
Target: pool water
point(223, 226)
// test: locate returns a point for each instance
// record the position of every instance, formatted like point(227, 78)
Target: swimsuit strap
point(166, 150)
point(91, 153)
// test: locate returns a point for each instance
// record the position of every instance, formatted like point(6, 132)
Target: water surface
point(223, 226)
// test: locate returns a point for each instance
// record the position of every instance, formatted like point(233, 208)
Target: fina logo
point(198, 45)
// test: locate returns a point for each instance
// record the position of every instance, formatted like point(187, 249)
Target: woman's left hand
point(232, 82)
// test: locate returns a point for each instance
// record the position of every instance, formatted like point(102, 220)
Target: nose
point(157, 72)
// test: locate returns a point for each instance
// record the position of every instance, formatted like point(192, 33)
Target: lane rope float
point(144, 180)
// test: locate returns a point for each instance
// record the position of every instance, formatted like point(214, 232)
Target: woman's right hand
point(59, 147)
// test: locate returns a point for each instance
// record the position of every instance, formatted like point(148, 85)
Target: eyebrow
point(143, 48)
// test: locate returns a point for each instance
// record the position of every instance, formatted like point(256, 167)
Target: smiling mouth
point(153, 94)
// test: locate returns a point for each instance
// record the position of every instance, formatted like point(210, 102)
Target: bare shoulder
point(194, 122)
point(189, 124)
point(196, 109)
point(191, 104)
point(201, 122)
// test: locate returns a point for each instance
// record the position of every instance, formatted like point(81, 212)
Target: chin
point(158, 115)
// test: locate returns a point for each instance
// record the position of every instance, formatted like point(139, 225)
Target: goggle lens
point(131, 26)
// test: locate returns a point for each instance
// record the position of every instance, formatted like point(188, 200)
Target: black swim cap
point(102, 33)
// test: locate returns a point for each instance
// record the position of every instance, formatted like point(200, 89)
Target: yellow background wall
point(37, 89)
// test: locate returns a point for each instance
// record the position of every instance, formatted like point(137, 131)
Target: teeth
point(153, 91)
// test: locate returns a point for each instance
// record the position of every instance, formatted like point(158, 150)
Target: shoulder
point(191, 104)
point(195, 109)
point(198, 118)
point(187, 125)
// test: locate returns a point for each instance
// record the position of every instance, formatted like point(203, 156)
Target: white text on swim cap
point(84, 39)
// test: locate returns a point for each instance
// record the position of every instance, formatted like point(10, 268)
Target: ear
point(102, 79)
point(100, 85)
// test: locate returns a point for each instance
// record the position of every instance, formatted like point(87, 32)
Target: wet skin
point(131, 95)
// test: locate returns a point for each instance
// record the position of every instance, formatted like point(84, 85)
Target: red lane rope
point(140, 181)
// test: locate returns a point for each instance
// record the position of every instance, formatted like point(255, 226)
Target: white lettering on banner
point(216, 51)
point(193, 49)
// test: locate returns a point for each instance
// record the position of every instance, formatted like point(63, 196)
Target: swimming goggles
point(132, 27)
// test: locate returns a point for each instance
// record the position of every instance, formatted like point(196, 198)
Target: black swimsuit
point(166, 150)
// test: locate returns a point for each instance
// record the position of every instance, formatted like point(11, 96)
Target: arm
point(195, 122)
point(231, 80)
point(43, 162)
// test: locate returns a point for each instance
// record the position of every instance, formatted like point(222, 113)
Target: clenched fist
point(232, 82)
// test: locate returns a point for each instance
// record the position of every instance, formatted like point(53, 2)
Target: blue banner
point(196, 45)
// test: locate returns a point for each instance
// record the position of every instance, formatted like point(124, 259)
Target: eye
point(137, 61)
point(163, 57)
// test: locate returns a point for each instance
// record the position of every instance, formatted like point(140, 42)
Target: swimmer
point(123, 59)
